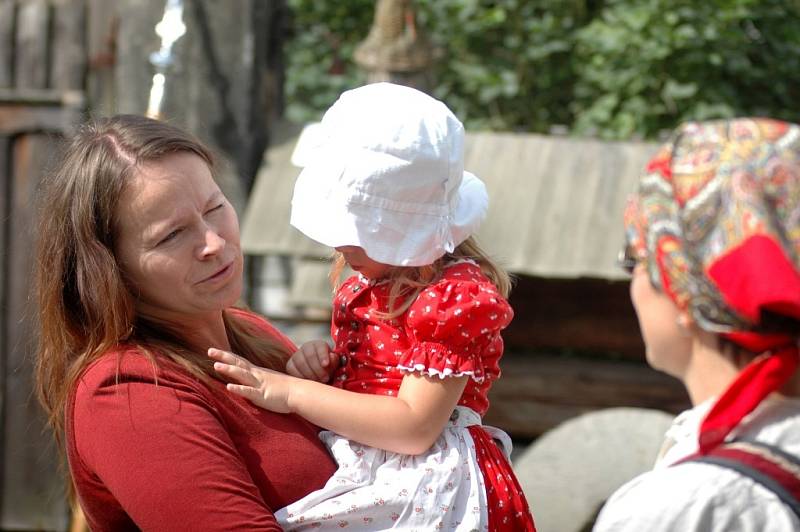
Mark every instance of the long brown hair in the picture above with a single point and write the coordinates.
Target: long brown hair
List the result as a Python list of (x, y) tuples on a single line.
[(85, 307), (407, 281)]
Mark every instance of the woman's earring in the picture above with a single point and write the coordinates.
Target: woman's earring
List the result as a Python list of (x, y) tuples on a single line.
[(684, 323)]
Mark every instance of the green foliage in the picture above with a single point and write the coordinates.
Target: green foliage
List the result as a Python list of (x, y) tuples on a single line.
[(505, 63), (319, 53), (613, 68), (645, 65)]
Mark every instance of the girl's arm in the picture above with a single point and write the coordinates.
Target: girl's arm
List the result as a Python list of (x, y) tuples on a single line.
[(408, 423)]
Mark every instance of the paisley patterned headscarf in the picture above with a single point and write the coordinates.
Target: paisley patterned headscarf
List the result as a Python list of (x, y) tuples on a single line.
[(717, 220)]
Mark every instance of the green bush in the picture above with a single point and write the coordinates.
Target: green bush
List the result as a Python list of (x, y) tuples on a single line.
[(505, 63), (319, 53), (614, 68), (643, 66)]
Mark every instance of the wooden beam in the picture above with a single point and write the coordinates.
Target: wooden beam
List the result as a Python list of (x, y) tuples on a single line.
[(537, 392), (16, 119), (67, 98)]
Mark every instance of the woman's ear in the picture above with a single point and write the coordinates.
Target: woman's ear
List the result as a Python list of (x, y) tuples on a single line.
[(685, 323)]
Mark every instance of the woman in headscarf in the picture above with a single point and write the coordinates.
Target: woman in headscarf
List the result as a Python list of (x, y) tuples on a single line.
[(713, 244)]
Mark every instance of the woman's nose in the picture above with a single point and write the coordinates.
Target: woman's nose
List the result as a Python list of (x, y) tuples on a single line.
[(213, 243)]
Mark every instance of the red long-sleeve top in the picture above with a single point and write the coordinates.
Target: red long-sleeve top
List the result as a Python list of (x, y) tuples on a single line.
[(181, 454)]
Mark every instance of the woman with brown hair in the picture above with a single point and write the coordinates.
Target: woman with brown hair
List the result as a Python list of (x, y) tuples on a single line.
[(713, 245), (138, 270)]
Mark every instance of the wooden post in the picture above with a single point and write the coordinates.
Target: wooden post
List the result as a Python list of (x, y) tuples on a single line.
[(396, 49), (6, 42), (68, 70), (33, 493), (102, 29), (31, 65), (5, 189), (225, 69)]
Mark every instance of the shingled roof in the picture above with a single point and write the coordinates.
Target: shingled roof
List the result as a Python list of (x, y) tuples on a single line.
[(555, 201)]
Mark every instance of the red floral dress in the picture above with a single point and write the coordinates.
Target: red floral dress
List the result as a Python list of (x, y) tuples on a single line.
[(451, 329)]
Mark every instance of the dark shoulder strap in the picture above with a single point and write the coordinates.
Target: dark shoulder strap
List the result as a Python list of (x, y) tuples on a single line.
[(773, 468)]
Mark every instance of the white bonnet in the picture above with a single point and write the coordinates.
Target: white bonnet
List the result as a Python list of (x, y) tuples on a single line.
[(387, 174)]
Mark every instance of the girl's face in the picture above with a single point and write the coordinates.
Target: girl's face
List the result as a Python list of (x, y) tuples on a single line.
[(358, 261), (668, 344), (177, 240)]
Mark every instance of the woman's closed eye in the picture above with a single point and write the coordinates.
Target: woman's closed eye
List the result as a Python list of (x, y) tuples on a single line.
[(170, 236), (215, 208)]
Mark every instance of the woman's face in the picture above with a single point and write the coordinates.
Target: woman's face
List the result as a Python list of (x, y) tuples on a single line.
[(358, 260), (668, 344), (177, 240)]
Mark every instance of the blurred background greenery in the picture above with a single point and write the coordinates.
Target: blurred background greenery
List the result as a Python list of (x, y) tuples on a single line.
[(613, 69)]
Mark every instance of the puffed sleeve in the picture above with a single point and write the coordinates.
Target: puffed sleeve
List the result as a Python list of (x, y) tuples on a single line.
[(450, 325)]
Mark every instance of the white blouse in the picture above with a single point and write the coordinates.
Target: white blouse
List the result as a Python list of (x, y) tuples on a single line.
[(705, 497)]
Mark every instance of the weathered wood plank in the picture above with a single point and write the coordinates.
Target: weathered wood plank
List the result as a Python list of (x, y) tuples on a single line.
[(5, 187), (66, 98), (6, 42), (588, 315), (31, 59), (69, 45), (135, 40), (32, 494), (537, 392), (103, 24), (20, 119)]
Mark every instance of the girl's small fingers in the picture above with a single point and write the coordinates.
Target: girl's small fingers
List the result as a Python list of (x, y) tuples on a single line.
[(222, 356), (322, 355), (315, 370), (334, 359), (291, 369), (301, 365), (227, 357), (235, 373), (248, 392)]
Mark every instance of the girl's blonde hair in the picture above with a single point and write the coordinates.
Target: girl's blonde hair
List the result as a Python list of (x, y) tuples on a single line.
[(408, 281), (85, 307)]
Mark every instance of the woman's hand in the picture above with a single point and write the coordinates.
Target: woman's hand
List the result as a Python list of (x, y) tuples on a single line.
[(313, 361), (263, 387)]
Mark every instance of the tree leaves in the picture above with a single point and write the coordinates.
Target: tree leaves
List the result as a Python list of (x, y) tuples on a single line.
[(613, 68)]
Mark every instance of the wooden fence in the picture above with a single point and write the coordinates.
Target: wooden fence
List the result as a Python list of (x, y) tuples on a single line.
[(42, 73)]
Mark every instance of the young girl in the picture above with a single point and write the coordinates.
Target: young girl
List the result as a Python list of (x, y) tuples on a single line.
[(416, 333)]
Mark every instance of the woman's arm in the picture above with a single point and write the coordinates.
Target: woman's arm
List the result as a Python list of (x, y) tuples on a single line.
[(408, 423)]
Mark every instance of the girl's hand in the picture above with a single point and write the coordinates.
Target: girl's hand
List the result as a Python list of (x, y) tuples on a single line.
[(313, 361), (263, 387)]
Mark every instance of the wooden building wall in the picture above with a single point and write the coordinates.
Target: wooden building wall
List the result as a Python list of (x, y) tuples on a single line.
[(574, 346), (42, 72)]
